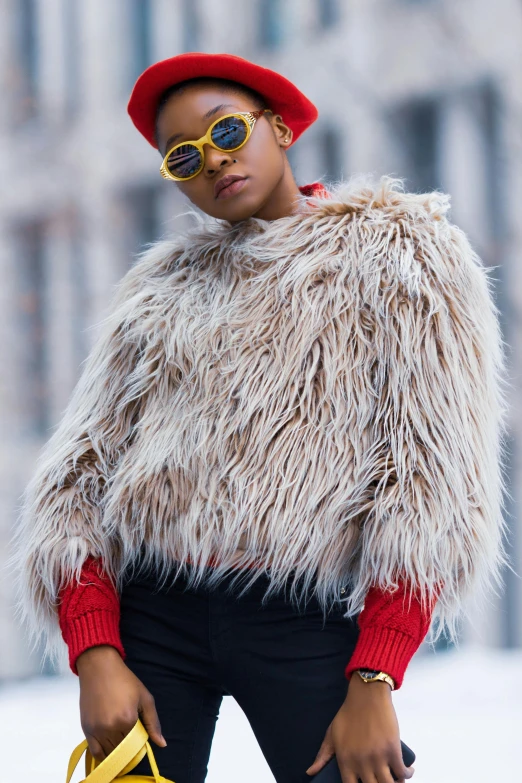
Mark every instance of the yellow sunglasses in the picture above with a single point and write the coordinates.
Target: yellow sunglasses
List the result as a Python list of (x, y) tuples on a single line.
[(228, 133)]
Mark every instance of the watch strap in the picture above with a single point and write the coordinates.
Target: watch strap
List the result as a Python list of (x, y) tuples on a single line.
[(376, 677)]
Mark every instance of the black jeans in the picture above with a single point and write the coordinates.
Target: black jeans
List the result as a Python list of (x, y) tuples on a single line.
[(282, 663)]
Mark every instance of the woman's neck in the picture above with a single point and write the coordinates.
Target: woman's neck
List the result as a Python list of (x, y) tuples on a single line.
[(282, 200)]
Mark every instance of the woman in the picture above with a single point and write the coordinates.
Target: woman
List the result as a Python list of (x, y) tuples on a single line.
[(299, 400)]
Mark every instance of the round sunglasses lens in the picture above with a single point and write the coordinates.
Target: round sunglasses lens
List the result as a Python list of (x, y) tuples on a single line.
[(229, 133), (184, 161)]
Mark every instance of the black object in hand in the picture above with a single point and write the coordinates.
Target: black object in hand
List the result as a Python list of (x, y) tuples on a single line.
[(331, 773)]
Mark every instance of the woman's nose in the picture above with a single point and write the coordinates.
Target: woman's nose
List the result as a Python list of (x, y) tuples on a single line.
[(215, 159)]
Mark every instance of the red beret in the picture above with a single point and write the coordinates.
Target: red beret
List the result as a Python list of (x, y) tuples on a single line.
[(282, 95)]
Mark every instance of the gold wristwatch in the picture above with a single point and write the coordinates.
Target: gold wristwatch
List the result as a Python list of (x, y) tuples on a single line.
[(372, 675)]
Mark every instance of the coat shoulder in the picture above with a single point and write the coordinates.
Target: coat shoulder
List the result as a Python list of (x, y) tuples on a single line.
[(405, 237), (384, 200)]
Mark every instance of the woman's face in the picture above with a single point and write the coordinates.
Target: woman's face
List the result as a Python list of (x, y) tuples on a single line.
[(268, 190)]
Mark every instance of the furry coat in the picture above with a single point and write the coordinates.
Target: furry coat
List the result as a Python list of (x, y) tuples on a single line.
[(325, 389)]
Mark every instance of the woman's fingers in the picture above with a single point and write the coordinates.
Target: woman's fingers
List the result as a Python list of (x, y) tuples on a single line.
[(96, 749), (321, 760), (324, 754), (355, 772), (349, 777), (370, 771), (367, 775), (149, 718), (401, 772), (109, 737), (384, 775), (106, 734)]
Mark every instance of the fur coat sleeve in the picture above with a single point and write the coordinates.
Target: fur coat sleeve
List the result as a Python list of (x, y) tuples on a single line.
[(434, 517), (62, 509)]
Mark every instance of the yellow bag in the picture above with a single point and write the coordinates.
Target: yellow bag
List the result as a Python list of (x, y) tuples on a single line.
[(123, 758)]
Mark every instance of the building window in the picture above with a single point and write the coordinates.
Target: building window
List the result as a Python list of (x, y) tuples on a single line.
[(191, 25), (26, 37), (72, 55), (329, 12), (79, 287), (417, 126), (271, 23), (34, 396), (142, 210), (490, 113), (331, 152), (140, 35)]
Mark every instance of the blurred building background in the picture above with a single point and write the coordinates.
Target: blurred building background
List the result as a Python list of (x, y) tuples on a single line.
[(429, 90)]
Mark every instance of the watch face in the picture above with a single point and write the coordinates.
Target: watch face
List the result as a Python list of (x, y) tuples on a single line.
[(369, 672)]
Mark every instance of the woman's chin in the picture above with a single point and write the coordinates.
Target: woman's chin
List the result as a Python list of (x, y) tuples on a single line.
[(239, 211)]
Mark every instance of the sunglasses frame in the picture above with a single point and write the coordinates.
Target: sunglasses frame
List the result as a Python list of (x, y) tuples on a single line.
[(249, 116)]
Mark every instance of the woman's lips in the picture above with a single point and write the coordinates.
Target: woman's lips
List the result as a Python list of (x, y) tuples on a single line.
[(231, 189)]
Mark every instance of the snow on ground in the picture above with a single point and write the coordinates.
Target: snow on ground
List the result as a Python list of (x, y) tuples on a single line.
[(460, 711)]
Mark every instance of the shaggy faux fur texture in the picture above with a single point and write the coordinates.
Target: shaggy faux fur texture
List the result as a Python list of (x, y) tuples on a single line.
[(328, 385)]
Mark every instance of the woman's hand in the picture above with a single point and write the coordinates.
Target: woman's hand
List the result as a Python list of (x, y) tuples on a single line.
[(364, 736), (112, 699)]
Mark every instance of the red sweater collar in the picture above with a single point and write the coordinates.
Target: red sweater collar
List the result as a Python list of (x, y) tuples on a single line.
[(316, 189)]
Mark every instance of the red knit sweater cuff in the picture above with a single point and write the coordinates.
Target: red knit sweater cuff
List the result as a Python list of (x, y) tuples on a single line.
[(90, 630), (384, 649)]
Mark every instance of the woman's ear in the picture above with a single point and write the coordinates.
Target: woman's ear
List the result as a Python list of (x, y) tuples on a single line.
[(283, 132)]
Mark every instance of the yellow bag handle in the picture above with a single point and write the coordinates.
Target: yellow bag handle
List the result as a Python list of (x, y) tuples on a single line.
[(123, 758)]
